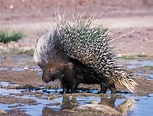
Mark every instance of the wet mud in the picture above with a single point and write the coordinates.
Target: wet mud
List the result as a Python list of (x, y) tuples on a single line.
[(23, 93)]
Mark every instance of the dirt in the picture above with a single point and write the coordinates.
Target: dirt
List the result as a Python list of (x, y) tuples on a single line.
[(20, 74), (131, 27), (132, 18)]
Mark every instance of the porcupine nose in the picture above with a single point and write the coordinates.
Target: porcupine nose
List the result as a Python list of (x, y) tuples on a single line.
[(45, 78)]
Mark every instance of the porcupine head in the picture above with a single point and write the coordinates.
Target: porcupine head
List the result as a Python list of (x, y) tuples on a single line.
[(50, 57)]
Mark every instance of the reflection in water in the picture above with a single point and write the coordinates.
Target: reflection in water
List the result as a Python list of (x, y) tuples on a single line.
[(69, 102), (47, 111), (144, 105), (126, 106), (123, 108), (109, 101)]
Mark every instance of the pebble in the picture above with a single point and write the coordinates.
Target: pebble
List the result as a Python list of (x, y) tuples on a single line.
[(49, 98), (94, 102), (11, 6), (3, 112)]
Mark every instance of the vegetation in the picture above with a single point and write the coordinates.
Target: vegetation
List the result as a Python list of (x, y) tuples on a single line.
[(128, 57), (8, 36), (16, 51)]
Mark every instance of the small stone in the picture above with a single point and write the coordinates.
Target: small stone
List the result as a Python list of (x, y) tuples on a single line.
[(49, 98), (11, 6), (3, 112), (38, 95), (69, 98), (94, 102), (97, 108), (25, 68), (145, 39), (5, 57)]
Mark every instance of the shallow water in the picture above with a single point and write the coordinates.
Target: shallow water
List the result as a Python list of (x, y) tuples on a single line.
[(143, 105), (136, 63), (44, 106), (132, 64), (4, 69)]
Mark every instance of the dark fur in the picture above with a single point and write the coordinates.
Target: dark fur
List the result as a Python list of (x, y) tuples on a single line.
[(72, 73)]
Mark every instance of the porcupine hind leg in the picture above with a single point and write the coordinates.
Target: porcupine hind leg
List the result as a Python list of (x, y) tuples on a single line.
[(103, 87), (74, 87), (112, 88)]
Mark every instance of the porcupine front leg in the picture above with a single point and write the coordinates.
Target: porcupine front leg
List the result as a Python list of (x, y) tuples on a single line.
[(69, 81), (72, 81), (64, 87), (69, 86)]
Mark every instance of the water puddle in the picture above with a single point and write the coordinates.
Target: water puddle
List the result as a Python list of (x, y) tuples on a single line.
[(45, 106), (136, 64), (149, 76), (15, 68), (50, 101), (143, 106), (5, 84), (3, 69)]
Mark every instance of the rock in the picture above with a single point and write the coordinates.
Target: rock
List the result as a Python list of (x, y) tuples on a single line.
[(94, 102), (3, 112), (97, 108)]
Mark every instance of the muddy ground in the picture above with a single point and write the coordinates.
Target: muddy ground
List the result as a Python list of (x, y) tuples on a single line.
[(22, 90), (21, 86)]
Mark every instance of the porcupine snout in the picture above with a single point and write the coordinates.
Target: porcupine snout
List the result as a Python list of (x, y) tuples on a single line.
[(48, 75)]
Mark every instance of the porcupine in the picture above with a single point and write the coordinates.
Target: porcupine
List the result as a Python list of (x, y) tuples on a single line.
[(76, 51)]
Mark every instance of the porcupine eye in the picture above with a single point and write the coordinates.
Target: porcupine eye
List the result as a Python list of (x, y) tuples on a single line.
[(53, 74)]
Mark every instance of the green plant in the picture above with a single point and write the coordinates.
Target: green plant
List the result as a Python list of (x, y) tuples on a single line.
[(16, 51), (128, 57), (142, 55), (7, 36)]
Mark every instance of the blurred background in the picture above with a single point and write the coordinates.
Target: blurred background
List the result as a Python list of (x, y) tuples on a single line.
[(132, 18)]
